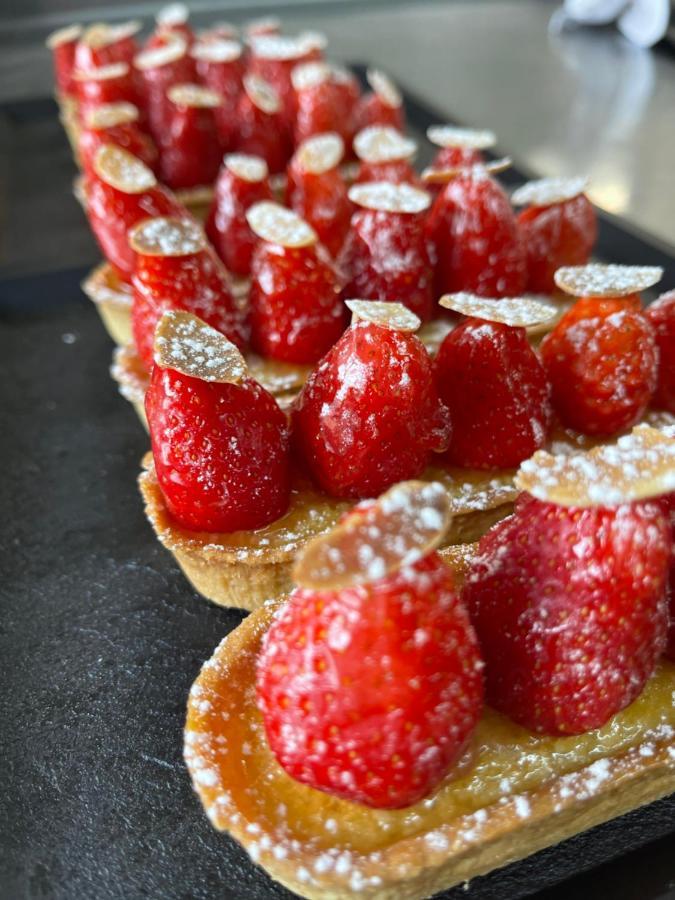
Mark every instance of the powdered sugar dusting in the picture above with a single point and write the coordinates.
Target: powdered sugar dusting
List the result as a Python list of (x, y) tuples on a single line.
[(546, 191), (470, 138), (384, 87), (394, 316), (320, 153), (518, 311), (599, 280), (186, 344), (278, 225), (639, 465), (122, 170), (388, 197), (246, 166), (382, 143), (167, 236)]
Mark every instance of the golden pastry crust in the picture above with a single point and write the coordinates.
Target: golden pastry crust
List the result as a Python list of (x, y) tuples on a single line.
[(197, 199), (113, 299), (516, 793)]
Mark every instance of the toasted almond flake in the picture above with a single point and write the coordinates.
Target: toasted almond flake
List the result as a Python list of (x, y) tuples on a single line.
[(320, 153), (267, 25), (124, 30), (384, 87), (388, 197), (309, 75), (278, 225), (102, 73), (167, 236), (479, 170), (382, 143), (547, 191), (599, 280), (155, 57), (194, 96), (217, 51), (280, 46), (108, 115), (394, 316), (405, 524), (262, 94), (520, 312), (246, 166), (122, 170), (172, 15), (638, 466), (101, 35), (185, 343), (469, 138), (66, 35)]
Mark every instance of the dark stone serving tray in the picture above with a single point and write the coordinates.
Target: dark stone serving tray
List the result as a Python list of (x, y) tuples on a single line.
[(101, 636)]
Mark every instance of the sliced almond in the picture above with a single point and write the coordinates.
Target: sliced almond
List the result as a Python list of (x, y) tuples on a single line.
[(124, 30), (599, 280), (640, 465), (547, 191), (194, 96), (174, 49), (382, 143), (320, 153), (172, 15), (67, 35), (479, 170), (262, 94), (108, 115), (246, 166), (167, 236), (278, 46), (467, 138), (394, 316), (384, 87), (103, 73), (278, 225), (309, 75), (217, 51), (185, 343), (521, 312), (387, 197), (405, 524), (101, 35), (123, 171), (267, 25)]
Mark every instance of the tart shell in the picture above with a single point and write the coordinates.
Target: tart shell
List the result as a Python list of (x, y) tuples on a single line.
[(113, 301)]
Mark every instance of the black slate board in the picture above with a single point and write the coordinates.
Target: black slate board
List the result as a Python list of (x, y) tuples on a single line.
[(101, 637)]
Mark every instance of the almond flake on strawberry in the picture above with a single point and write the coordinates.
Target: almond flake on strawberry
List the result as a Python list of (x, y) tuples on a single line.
[(317, 107), (220, 68), (316, 190), (115, 123), (160, 69), (190, 151), (176, 269), (602, 356), (260, 130), (382, 105), (493, 384), (243, 181), (385, 155), (459, 147), (385, 255), (369, 414), (475, 239), (219, 440), (375, 607), (172, 21), (661, 314), (297, 313), (114, 83), (62, 44), (102, 45), (121, 191), (559, 226), (568, 594)]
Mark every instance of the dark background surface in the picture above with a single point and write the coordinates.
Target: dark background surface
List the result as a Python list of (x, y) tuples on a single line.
[(100, 635)]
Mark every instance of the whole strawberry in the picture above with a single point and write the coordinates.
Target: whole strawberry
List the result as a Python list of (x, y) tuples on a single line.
[(371, 692), (662, 316), (570, 610), (601, 360)]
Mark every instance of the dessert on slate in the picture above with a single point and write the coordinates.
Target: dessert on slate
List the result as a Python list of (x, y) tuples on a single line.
[(342, 736)]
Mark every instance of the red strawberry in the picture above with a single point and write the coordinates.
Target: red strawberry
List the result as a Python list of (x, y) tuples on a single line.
[(556, 235), (475, 239), (317, 103), (220, 67), (62, 43), (109, 84), (497, 393), (190, 153), (103, 45), (115, 123), (601, 360), (570, 611), (456, 158), (160, 69), (176, 269), (382, 105), (369, 414), (668, 503), (120, 192), (662, 316), (221, 451), (317, 191), (243, 181), (260, 129), (408, 639), (397, 171), (385, 255), (347, 91), (172, 22), (296, 310)]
